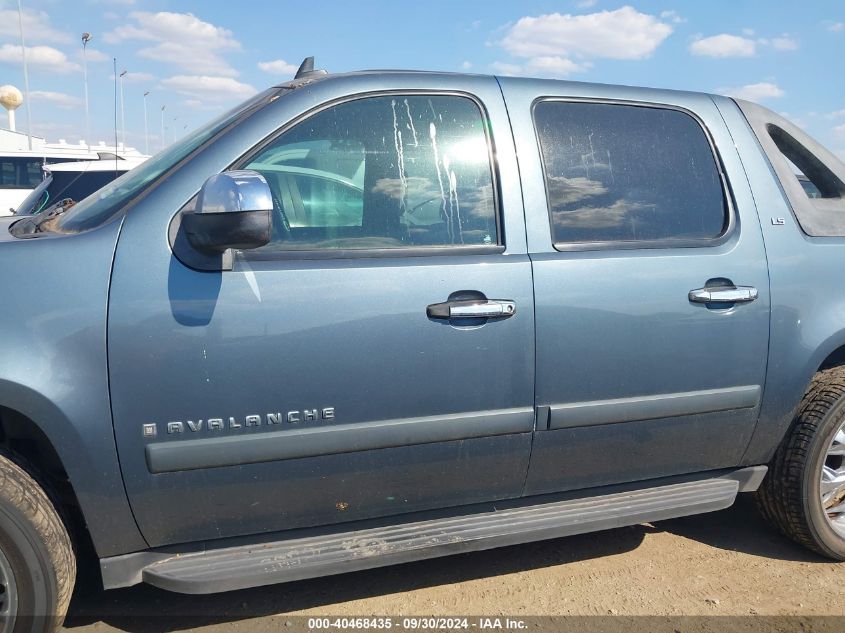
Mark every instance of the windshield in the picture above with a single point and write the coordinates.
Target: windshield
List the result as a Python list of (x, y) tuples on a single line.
[(111, 200), (36, 199), (65, 185)]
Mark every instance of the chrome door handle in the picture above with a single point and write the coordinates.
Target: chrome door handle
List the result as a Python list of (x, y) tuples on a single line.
[(736, 294), (472, 309)]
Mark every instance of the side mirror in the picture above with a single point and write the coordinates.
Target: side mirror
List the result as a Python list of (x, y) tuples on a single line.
[(234, 210)]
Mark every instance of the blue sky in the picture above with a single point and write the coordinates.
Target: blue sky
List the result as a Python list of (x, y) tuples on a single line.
[(198, 58)]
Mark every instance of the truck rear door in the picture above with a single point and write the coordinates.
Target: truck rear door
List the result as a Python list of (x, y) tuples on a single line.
[(651, 284)]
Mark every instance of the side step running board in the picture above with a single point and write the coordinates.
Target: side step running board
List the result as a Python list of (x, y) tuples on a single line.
[(298, 558)]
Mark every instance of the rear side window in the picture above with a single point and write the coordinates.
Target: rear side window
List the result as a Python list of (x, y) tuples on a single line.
[(20, 173), (628, 174)]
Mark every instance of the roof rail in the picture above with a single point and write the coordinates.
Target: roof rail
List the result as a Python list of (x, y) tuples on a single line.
[(306, 69)]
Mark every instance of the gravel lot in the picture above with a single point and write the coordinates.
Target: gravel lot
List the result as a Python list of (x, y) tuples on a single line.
[(723, 564)]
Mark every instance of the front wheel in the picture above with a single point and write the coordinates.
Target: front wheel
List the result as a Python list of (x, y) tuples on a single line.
[(37, 565), (803, 494)]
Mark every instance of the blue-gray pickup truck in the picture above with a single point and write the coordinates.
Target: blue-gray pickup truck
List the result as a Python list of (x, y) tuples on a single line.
[(376, 317)]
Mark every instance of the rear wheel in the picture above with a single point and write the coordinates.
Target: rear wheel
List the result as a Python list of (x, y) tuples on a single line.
[(37, 565), (804, 492)]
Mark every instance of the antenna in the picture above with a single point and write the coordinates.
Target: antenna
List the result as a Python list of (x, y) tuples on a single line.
[(114, 74), (306, 69), (307, 66)]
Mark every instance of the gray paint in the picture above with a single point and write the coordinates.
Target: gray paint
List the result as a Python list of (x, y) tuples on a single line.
[(654, 407), (53, 366), (256, 448), (228, 563), (611, 325), (287, 334), (618, 324), (808, 304), (589, 456)]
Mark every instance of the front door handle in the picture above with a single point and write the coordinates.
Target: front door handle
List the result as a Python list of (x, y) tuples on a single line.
[(728, 294), (472, 309)]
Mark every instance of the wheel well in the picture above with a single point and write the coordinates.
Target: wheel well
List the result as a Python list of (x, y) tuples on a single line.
[(835, 359), (22, 437)]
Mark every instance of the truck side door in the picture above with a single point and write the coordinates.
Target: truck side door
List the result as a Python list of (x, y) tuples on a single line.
[(651, 284), (322, 379)]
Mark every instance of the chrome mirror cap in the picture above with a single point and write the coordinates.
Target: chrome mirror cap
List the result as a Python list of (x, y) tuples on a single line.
[(234, 191)]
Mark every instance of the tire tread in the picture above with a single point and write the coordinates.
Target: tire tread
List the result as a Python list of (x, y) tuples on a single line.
[(780, 498), (20, 489)]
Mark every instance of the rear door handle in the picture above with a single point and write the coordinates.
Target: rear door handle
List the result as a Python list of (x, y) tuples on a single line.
[(472, 309), (735, 294)]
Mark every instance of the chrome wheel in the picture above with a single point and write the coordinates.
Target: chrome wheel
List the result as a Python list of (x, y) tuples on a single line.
[(832, 487), (8, 595)]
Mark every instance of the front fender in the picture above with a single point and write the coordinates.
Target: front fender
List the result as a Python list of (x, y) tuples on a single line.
[(54, 370)]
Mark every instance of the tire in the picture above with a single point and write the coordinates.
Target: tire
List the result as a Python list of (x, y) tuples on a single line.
[(37, 564), (790, 496)]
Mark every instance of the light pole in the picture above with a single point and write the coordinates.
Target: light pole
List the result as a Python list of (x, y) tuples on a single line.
[(162, 125), (25, 80), (86, 37), (173, 129), (122, 117), (146, 129)]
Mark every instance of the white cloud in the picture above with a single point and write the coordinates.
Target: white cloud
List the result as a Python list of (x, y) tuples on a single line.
[(60, 99), (784, 43), (541, 66), (586, 4), (466, 65), (754, 92), (36, 27), (837, 114), (93, 55), (206, 87), (181, 39), (672, 16), (724, 45), (621, 34), (39, 57), (205, 106), (278, 67), (553, 66), (839, 130), (836, 27), (727, 45)]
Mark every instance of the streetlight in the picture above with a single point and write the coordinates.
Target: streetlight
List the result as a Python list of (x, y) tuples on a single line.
[(86, 37), (146, 131), (122, 117), (25, 80), (162, 125)]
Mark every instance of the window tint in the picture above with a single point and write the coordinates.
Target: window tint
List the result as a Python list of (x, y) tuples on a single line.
[(382, 172), (20, 173), (619, 173)]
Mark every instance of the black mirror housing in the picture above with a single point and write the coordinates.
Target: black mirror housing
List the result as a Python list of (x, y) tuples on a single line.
[(215, 233)]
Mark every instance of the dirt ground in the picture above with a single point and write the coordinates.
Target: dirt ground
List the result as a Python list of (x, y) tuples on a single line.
[(727, 563)]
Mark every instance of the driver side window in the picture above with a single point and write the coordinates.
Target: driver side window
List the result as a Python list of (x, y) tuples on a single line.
[(382, 172)]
